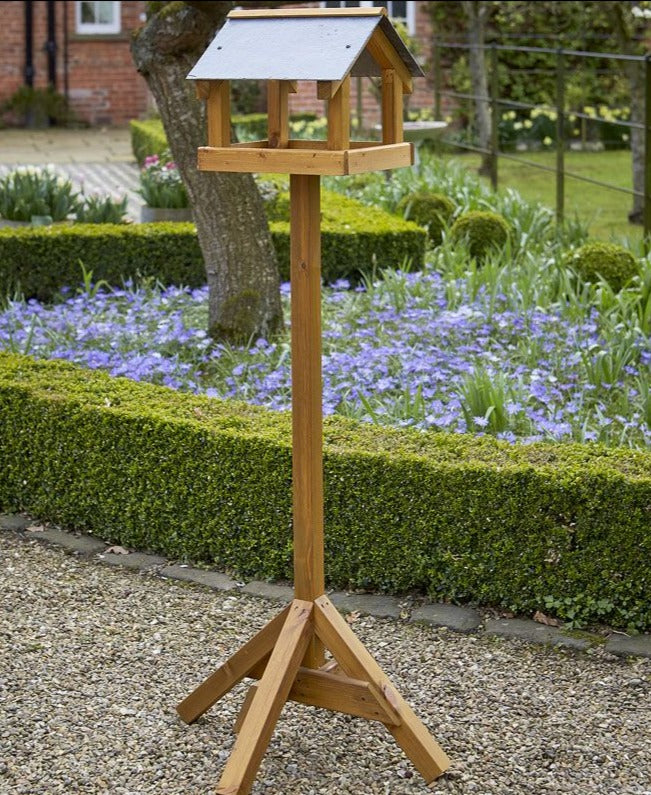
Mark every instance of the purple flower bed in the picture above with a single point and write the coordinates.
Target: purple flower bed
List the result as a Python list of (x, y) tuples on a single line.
[(398, 352)]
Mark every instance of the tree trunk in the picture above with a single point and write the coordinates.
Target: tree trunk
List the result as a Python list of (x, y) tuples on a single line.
[(476, 14), (241, 269), (635, 70), (636, 80)]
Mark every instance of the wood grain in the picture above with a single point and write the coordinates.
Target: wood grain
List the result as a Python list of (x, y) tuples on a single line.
[(386, 56), (278, 113), (339, 117), (392, 108), (270, 697), (218, 112), (265, 13), (426, 754), (232, 671)]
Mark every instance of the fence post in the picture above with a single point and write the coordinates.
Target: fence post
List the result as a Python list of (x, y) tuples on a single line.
[(437, 80), (647, 151), (495, 89), (560, 136)]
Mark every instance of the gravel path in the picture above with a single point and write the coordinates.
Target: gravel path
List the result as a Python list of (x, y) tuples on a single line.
[(93, 660)]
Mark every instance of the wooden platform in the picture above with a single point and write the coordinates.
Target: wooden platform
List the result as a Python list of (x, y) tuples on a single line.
[(305, 157)]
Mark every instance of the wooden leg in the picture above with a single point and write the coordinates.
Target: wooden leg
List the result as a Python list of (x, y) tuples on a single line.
[(232, 671), (426, 754), (335, 692), (270, 696), (244, 709)]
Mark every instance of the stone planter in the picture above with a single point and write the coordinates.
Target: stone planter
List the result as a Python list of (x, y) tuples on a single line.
[(150, 215)]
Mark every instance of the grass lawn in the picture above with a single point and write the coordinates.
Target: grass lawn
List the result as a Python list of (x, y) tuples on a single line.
[(605, 211)]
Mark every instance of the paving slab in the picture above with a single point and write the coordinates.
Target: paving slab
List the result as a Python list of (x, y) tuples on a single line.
[(79, 544), (378, 605), (534, 632), (269, 590), (211, 579), (134, 560), (14, 521), (629, 646), (460, 619)]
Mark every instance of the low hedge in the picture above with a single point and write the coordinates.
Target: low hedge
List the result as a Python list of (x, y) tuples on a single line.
[(147, 138), (38, 261), (459, 517), (355, 238)]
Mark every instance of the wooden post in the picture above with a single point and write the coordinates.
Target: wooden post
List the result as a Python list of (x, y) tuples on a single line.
[(392, 129), (339, 117), (278, 113), (218, 111), (307, 424)]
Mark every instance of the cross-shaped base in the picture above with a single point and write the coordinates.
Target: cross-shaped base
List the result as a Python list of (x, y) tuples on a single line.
[(356, 685)]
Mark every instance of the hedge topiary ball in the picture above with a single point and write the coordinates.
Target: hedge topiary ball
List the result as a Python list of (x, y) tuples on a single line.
[(481, 231), (608, 261), (431, 210)]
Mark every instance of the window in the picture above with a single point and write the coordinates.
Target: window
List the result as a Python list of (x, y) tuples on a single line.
[(97, 16), (398, 10)]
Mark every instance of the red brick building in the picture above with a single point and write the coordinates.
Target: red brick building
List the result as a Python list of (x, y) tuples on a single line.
[(82, 48)]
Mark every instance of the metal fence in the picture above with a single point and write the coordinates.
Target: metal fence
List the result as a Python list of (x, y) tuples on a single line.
[(497, 104)]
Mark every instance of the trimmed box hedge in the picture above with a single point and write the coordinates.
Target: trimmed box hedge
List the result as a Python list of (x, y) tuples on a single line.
[(38, 261), (459, 517)]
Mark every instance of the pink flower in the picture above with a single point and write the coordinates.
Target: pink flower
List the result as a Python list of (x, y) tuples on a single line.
[(151, 160)]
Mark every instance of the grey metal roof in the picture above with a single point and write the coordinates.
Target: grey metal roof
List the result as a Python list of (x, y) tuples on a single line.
[(297, 48)]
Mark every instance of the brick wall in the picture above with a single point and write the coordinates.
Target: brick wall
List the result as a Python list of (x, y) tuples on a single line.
[(104, 87), (422, 96)]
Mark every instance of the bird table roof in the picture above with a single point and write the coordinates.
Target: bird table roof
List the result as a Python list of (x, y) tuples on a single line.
[(299, 44)]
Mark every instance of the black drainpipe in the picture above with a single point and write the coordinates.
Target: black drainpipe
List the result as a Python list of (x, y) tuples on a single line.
[(51, 45), (29, 48), (66, 77)]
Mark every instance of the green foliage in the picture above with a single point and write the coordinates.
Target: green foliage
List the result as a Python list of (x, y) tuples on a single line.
[(431, 210), (481, 231), (38, 107), (608, 261), (102, 210), (39, 261), (531, 76), (28, 191), (458, 517), (147, 138), (161, 185)]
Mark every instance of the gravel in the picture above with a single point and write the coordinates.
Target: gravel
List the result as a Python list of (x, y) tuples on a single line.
[(93, 660)]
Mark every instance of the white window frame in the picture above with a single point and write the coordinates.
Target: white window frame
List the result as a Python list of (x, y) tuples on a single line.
[(411, 12), (98, 28)]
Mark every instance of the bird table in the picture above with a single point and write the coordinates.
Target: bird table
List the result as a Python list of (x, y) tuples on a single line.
[(288, 656)]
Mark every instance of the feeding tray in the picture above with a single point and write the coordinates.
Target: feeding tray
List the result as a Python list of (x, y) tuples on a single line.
[(305, 157)]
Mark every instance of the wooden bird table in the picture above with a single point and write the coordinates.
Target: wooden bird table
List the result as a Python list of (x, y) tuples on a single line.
[(287, 656)]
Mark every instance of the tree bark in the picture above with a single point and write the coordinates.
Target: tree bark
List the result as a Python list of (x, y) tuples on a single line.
[(635, 72), (241, 269), (476, 15)]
